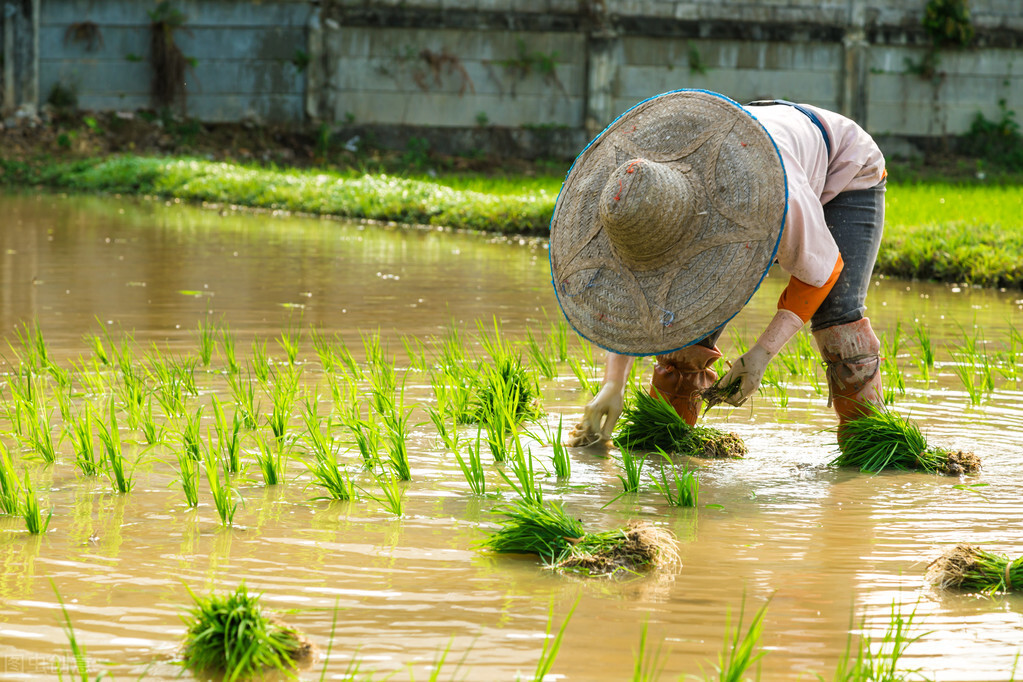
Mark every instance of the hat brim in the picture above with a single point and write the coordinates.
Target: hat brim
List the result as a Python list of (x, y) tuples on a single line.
[(732, 246)]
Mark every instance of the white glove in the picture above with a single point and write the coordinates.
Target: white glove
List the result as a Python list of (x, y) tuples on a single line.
[(743, 379), (600, 416)]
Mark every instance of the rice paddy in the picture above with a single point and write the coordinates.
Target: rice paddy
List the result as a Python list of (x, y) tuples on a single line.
[(352, 475)]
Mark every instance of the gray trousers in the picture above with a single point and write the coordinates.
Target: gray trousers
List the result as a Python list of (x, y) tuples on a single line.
[(856, 221)]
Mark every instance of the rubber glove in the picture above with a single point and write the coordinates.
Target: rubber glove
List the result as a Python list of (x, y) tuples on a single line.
[(601, 414), (748, 370)]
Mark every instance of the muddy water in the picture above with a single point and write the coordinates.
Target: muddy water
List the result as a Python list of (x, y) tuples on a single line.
[(831, 550)]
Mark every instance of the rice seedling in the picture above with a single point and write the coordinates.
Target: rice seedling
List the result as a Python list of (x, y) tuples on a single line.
[(64, 404), (152, 432), (540, 357), (77, 650), (133, 391), (231, 635), (396, 420), (589, 380), (30, 509), (392, 493), (682, 490), (10, 486), (227, 343), (966, 372), (188, 477), (192, 441), (290, 341), (321, 344), (92, 377), (894, 381), (559, 340), (40, 438), (448, 432), (243, 391), (632, 468), (880, 662), (282, 391), (36, 357), (972, 569), (648, 423), (551, 646), (547, 530), (99, 352), (454, 396), (325, 469), (646, 668), (272, 460), (561, 460), (83, 443), (923, 340), (882, 439), (506, 388), (366, 433), (207, 333), (740, 651), (260, 361), (472, 465), (415, 349), (170, 392), (225, 497), (228, 437), (344, 356), (521, 464), (109, 436)]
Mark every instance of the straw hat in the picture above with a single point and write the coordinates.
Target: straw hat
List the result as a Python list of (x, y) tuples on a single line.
[(667, 223)]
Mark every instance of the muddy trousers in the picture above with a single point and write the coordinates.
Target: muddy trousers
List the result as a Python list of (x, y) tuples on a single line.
[(846, 341)]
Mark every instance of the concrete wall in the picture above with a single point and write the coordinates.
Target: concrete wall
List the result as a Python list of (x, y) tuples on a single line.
[(243, 55)]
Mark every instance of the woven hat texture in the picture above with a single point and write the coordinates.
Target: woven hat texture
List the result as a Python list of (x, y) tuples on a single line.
[(667, 223)]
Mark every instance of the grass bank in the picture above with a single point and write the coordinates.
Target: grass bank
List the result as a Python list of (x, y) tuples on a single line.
[(952, 232)]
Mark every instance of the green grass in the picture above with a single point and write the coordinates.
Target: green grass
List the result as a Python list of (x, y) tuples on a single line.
[(229, 634)]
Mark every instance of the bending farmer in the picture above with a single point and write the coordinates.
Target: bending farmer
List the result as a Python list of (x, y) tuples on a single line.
[(670, 219)]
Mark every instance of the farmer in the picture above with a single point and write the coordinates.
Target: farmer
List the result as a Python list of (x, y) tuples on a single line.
[(670, 219)]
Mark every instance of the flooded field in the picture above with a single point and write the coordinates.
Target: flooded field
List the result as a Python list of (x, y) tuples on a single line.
[(388, 586)]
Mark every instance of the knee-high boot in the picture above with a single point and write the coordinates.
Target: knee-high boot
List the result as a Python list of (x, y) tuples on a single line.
[(851, 354), (681, 377)]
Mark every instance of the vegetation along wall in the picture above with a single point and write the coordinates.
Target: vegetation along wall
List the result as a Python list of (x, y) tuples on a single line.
[(540, 76)]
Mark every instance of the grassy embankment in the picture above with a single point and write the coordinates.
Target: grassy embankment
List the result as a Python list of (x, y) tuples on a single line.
[(934, 230)]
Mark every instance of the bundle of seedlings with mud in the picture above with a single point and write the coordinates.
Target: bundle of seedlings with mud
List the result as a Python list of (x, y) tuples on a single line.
[(534, 527), (648, 423), (229, 635), (881, 439), (973, 569)]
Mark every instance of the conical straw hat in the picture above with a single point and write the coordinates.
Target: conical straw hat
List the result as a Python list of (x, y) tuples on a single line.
[(667, 223)]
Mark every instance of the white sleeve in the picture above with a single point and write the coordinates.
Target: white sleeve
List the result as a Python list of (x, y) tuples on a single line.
[(807, 250)]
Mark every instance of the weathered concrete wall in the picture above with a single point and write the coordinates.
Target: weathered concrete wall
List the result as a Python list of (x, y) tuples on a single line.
[(243, 56)]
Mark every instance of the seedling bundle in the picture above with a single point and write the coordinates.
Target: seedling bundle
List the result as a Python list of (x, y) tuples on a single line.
[(881, 439), (535, 527), (649, 423), (973, 569)]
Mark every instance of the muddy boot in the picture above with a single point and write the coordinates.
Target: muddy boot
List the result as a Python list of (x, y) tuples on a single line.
[(681, 376), (851, 354)]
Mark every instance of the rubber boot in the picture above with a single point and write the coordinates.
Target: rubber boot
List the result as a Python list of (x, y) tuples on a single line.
[(851, 355), (681, 377)]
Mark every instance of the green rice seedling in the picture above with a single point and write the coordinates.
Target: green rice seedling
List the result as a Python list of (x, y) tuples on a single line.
[(882, 439), (561, 460), (397, 429), (682, 490), (344, 356), (632, 468), (880, 661), (207, 340), (260, 361), (228, 437), (893, 377), (64, 404), (225, 497), (343, 391), (132, 391), (472, 465), (648, 423), (243, 391), (454, 396), (30, 510), (152, 432), (521, 465), (290, 341), (392, 492), (36, 356), (81, 431), (923, 340), (810, 359), (545, 529), (282, 389), (325, 469), (272, 460), (559, 340), (110, 438), (551, 646), (10, 486), (191, 435), (41, 439), (589, 380), (740, 651), (646, 668), (966, 372), (231, 636), (227, 343), (540, 356), (448, 432), (321, 344), (188, 477), (505, 384), (99, 352), (972, 569), (77, 650), (415, 349), (91, 376)]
